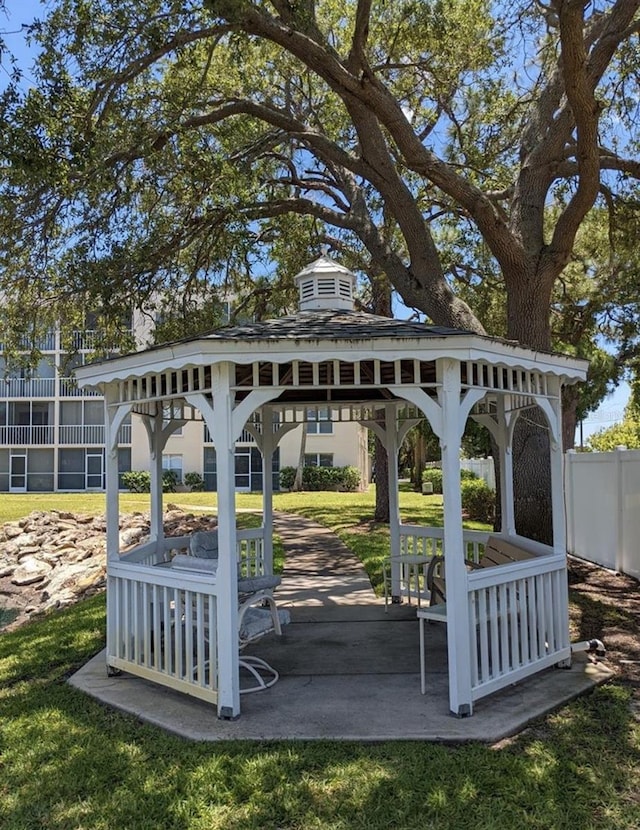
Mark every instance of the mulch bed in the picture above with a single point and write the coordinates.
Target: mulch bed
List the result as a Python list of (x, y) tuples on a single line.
[(606, 605)]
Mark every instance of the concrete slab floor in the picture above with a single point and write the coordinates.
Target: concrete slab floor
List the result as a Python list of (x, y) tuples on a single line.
[(349, 670)]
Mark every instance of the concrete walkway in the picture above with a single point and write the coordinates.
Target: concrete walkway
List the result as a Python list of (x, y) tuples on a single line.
[(348, 669)]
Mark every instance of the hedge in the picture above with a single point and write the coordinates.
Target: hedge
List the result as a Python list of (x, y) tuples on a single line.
[(322, 478), (478, 500)]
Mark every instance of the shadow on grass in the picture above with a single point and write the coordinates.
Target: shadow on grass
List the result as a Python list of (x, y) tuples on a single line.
[(69, 762)]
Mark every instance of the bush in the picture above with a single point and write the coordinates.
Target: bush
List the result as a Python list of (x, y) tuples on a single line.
[(434, 475), (468, 475), (194, 482), (169, 481), (478, 500), (287, 477), (350, 479), (137, 481), (322, 478)]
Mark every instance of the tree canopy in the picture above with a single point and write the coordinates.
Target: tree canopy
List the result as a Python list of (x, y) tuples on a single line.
[(456, 146)]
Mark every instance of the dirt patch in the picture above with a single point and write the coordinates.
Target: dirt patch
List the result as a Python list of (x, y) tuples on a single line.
[(606, 605)]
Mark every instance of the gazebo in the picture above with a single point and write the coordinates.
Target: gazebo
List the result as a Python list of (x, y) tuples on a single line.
[(504, 623)]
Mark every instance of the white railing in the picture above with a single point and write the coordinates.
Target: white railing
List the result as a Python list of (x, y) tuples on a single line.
[(124, 434), (162, 621), (418, 545), (251, 551), (162, 627), (81, 434), (518, 621), (28, 388), (19, 436), (70, 389)]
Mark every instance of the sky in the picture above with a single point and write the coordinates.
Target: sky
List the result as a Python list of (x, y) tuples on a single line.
[(18, 12)]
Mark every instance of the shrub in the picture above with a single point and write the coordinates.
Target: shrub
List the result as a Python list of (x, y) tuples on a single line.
[(169, 481), (478, 500), (137, 481), (194, 482), (322, 478), (468, 475), (287, 477), (350, 479), (434, 475)]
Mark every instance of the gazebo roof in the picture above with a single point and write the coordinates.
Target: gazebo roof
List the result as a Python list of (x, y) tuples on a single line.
[(328, 328), (331, 324), (330, 334)]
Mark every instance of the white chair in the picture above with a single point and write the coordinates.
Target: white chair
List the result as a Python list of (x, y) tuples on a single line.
[(258, 613)]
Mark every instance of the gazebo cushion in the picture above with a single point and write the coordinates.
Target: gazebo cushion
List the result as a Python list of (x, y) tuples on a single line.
[(258, 621), (204, 544), (194, 563)]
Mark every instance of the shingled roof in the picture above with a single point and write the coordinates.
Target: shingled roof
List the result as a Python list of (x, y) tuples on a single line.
[(331, 324)]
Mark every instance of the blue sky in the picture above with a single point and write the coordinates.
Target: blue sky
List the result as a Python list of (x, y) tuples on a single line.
[(20, 12)]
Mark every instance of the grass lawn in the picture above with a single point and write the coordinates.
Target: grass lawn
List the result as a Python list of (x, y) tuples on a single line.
[(68, 762)]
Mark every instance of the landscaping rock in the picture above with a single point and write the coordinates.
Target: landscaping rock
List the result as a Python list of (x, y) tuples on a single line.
[(50, 560)]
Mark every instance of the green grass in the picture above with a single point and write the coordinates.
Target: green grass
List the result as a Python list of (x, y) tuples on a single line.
[(68, 762)]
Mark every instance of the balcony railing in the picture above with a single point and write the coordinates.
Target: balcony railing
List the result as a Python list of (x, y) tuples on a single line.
[(69, 389), (88, 339), (46, 343), (79, 434), (24, 388), (19, 436), (245, 437)]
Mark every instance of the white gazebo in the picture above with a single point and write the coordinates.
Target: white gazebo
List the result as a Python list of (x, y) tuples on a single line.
[(387, 374)]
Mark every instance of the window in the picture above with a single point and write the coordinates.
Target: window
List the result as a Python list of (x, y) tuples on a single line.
[(174, 463), (318, 459), (318, 422)]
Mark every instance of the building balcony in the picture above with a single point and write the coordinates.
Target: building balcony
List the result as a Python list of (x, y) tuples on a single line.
[(88, 434), (245, 437), (81, 434), (88, 339), (19, 436), (45, 343), (24, 388), (69, 389)]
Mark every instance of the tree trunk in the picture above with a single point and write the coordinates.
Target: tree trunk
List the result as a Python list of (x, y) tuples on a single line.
[(528, 304), (532, 477), (381, 461), (569, 416), (419, 458), (297, 482)]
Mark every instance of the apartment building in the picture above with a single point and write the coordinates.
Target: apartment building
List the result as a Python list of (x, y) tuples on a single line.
[(52, 433)]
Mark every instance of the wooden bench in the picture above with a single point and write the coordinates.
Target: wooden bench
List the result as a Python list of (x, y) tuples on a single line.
[(497, 551)]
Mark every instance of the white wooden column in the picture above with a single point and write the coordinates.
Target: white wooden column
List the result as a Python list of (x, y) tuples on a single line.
[(113, 418), (388, 436), (221, 429), (557, 469), (391, 446), (267, 441), (267, 449), (157, 441), (504, 439), (458, 634)]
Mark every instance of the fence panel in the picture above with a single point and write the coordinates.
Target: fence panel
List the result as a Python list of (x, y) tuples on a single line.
[(603, 501)]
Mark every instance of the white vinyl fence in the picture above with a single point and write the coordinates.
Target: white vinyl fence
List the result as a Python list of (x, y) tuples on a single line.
[(602, 491)]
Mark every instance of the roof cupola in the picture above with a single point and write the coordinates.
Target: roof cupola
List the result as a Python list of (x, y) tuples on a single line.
[(324, 284)]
